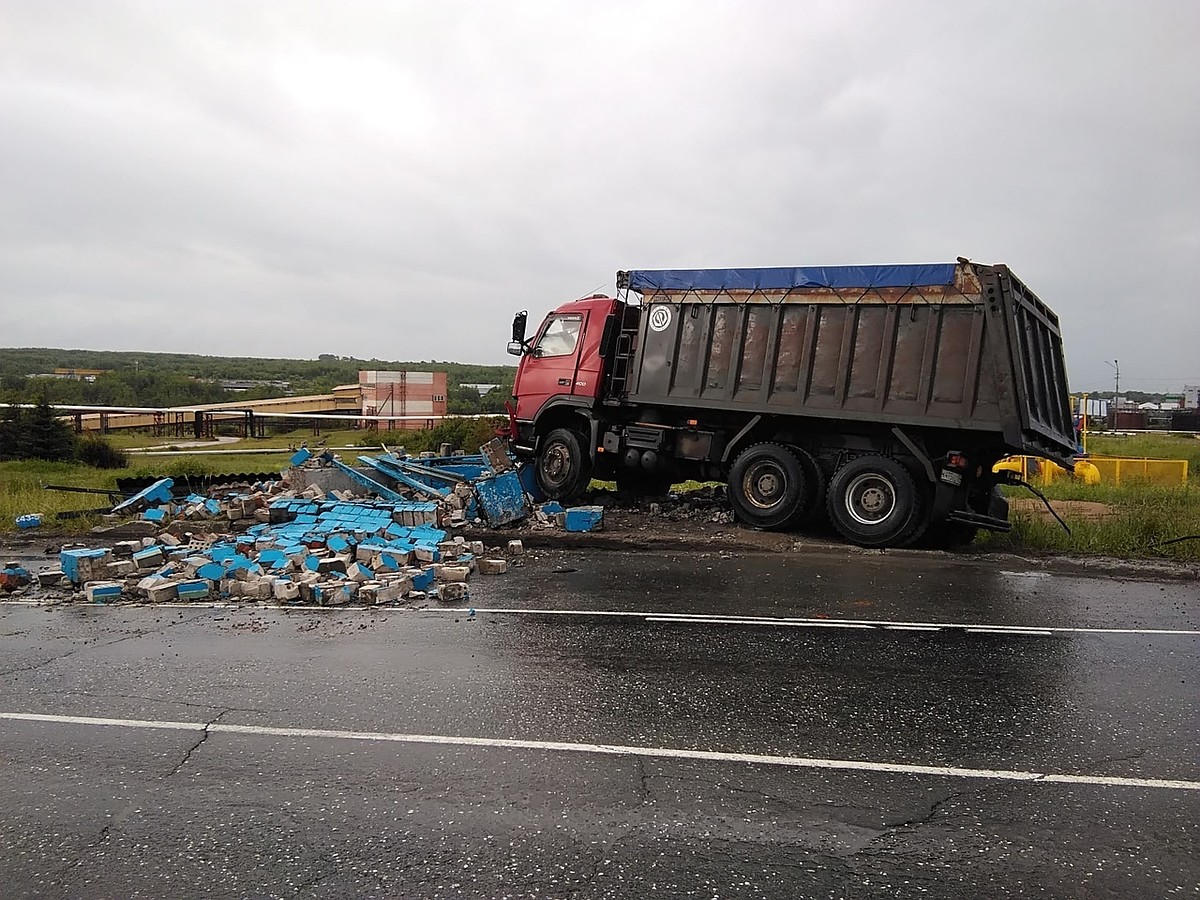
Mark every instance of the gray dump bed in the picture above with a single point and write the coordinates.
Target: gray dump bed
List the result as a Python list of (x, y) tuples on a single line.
[(956, 345)]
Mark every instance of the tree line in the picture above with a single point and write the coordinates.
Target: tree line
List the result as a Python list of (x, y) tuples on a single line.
[(179, 379), (38, 433)]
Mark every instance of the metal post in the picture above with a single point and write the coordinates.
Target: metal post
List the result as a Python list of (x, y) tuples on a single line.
[(1083, 425)]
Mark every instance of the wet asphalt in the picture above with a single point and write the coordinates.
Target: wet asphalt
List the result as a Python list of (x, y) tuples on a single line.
[(773, 656)]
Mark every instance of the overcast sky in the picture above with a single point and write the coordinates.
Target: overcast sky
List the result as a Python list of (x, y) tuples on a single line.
[(394, 179)]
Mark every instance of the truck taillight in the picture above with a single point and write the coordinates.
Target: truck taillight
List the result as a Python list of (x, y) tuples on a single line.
[(956, 461)]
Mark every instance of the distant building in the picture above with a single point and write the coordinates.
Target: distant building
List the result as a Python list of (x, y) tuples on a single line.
[(482, 388), (245, 384), (88, 375), (416, 394), (1191, 396)]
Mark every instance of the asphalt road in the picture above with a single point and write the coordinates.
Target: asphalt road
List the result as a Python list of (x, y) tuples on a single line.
[(617, 725)]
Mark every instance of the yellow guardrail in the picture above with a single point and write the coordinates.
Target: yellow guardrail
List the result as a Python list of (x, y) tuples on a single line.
[(1100, 470)]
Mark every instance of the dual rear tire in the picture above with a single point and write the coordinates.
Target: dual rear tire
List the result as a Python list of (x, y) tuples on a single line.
[(775, 486), (875, 502), (872, 501)]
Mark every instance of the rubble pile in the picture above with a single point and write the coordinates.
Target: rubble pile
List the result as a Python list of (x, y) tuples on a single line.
[(704, 504), (13, 577), (352, 552), (383, 536)]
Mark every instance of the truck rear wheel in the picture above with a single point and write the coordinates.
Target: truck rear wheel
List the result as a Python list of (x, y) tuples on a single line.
[(563, 468), (873, 502), (767, 486)]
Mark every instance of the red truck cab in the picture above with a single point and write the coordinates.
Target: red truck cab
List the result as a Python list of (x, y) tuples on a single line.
[(563, 364)]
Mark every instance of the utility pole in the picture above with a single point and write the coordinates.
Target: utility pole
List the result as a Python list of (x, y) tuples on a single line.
[(1116, 364)]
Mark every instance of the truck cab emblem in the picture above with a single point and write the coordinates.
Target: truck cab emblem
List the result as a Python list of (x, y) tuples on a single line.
[(660, 318)]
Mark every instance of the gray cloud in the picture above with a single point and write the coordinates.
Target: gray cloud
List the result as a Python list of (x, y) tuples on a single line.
[(393, 180)]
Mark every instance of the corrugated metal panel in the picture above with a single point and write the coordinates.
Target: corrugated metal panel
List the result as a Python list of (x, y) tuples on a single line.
[(982, 353), (919, 361)]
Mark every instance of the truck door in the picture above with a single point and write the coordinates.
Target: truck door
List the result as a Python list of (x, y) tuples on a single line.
[(550, 367)]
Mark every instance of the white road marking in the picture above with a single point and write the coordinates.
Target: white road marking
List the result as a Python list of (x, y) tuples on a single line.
[(730, 620), (1034, 632), (659, 617), (799, 762), (783, 621)]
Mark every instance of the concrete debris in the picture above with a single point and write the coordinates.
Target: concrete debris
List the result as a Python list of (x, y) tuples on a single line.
[(323, 553), (14, 576), (706, 504), (574, 519), (323, 534)]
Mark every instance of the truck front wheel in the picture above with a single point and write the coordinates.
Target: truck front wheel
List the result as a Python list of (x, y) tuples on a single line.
[(563, 468), (873, 502), (767, 486)]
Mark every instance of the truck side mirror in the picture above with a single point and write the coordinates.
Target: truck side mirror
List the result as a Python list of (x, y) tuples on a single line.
[(518, 332), (516, 348)]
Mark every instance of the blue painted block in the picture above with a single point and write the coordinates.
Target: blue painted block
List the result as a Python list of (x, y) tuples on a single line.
[(221, 552), (212, 571), (428, 534), (337, 543), (104, 592), (149, 557), (528, 476), (157, 493), (300, 457), (197, 589), (238, 562), (502, 498), (584, 518), (213, 507), (423, 580), (390, 560), (157, 514)]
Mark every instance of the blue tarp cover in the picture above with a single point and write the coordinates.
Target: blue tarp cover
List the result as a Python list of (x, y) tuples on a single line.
[(784, 278)]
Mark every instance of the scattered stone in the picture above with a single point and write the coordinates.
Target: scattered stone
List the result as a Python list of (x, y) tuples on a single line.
[(492, 566)]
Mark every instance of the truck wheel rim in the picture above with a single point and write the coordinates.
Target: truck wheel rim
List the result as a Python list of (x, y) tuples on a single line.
[(870, 499), (764, 485), (556, 464)]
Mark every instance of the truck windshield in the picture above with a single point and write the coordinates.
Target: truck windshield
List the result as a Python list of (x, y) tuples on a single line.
[(560, 336)]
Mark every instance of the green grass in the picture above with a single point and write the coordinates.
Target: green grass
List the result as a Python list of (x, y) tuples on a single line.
[(1149, 446), (21, 482), (1142, 519)]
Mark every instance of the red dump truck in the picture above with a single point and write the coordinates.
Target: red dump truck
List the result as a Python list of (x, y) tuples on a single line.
[(878, 396)]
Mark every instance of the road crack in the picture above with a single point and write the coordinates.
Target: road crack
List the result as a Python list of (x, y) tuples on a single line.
[(643, 779), (199, 743), (926, 817)]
